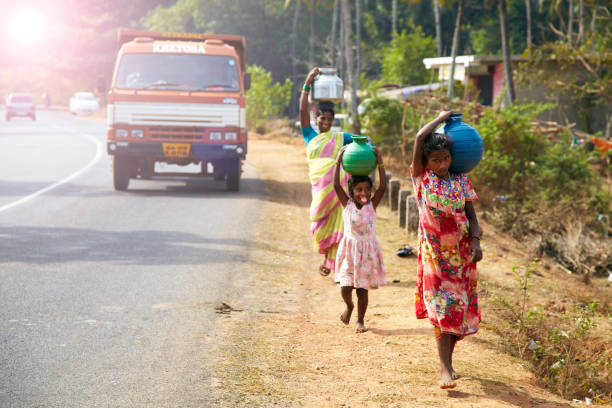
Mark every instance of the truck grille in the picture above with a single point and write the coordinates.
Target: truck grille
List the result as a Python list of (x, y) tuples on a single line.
[(177, 133)]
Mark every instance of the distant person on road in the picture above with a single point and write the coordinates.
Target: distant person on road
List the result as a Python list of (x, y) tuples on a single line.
[(46, 99), (449, 248), (359, 264), (322, 149)]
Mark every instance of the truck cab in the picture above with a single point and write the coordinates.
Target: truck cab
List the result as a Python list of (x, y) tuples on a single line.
[(179, 99)]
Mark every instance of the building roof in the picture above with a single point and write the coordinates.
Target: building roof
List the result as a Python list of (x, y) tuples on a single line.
[(468, 60)]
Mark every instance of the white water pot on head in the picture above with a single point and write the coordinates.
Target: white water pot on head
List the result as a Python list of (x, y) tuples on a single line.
[(328, 87)]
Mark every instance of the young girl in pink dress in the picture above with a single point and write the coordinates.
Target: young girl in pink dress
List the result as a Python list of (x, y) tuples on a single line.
[(449, 245), (359, 262)]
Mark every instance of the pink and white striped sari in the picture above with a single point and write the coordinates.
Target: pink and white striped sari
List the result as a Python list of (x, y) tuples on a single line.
[(325, 210)]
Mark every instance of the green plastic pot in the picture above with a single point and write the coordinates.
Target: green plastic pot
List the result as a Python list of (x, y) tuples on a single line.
[(359, 158)]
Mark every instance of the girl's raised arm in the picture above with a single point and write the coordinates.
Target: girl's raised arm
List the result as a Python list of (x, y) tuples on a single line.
[(417, 153), (304, 115), (382, 177), (342, 196)]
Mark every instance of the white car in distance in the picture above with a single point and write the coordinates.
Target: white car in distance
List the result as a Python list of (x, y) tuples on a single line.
[(82, 102)]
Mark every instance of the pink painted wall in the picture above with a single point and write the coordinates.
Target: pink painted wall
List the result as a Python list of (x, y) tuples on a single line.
[(498, 80)]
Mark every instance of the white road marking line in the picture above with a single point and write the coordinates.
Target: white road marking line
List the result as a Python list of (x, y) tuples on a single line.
[(99, 149)]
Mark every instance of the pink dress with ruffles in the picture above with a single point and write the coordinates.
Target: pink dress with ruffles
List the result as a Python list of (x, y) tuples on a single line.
[(359, 262)]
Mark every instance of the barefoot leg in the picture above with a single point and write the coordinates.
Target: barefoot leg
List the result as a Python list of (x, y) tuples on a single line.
[(444, 352), (454, 374), (362, 306), (347, 296)]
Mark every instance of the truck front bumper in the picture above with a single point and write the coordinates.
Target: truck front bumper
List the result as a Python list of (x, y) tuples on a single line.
[(197, 151)]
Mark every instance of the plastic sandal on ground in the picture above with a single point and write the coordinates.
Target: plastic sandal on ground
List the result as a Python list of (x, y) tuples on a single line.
[(404, 252), (323, 270)]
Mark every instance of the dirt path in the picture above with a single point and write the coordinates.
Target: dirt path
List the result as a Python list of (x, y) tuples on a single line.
[(286, 346)]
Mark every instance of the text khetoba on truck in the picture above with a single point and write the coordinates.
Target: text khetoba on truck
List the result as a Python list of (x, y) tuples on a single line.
[(178, 99)]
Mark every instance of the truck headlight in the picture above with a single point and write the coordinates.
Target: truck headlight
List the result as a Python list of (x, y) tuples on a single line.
[(139, 133), (239, 150), (121, 133), (215, 135), (233, 136)]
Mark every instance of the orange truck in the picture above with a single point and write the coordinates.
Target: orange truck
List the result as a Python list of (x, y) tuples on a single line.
[(179, 99)]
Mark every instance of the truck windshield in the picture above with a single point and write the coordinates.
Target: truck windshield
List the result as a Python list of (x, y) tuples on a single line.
[(191, 72), (21, 99)]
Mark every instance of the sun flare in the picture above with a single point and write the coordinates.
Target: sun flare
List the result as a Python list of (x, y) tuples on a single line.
[(26, 26)]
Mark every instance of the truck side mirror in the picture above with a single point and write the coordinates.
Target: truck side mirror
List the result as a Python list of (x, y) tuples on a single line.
[(247, 81)]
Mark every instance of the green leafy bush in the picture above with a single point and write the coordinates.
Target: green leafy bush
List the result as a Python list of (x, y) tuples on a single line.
[(383, 118), (265, 100), (511, 149), (563, 175)]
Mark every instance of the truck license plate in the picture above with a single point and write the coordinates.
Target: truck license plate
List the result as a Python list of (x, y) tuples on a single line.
[(176, 149)]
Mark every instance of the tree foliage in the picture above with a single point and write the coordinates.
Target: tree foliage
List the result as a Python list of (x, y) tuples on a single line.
[(265, 100), (590, 65), (402, 59)]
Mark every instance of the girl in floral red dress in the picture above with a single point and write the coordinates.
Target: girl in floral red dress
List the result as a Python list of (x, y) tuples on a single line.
[(449, 247)]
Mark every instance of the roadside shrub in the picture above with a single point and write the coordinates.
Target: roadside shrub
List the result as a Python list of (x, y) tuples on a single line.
[(382, 118), (265, 100), (562, 349), (541, 189), (511, 149)]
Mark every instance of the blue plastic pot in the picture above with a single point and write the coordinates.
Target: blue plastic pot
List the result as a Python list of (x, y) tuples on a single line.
[(468, 146)]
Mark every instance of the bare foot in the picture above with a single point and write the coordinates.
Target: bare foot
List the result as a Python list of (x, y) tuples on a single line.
[(360, 328), (446, 380), (455, 375), (345, 317)]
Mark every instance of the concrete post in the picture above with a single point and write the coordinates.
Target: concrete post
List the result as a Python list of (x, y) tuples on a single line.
[(412, 215), (385, 197), (403, 196), (394, 187)]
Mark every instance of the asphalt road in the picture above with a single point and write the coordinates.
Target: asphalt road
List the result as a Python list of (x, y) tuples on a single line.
[(107, 299)]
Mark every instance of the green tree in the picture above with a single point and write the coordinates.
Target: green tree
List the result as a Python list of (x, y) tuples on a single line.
[(265, 100), (402, 60), (183, 16)]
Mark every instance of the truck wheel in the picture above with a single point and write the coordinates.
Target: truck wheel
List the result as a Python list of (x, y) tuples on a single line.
[(232, 182), (121, 173), (146, 169), (219, 170)]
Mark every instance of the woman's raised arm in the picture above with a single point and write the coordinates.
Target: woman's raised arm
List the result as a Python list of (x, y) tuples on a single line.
[(304, 114), (342, 196)]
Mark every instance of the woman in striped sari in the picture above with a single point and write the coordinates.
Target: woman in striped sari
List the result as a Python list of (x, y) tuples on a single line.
[(321, 150)]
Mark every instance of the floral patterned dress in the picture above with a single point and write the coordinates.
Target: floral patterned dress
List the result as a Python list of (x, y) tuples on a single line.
[(446, 277), (359, 261)]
